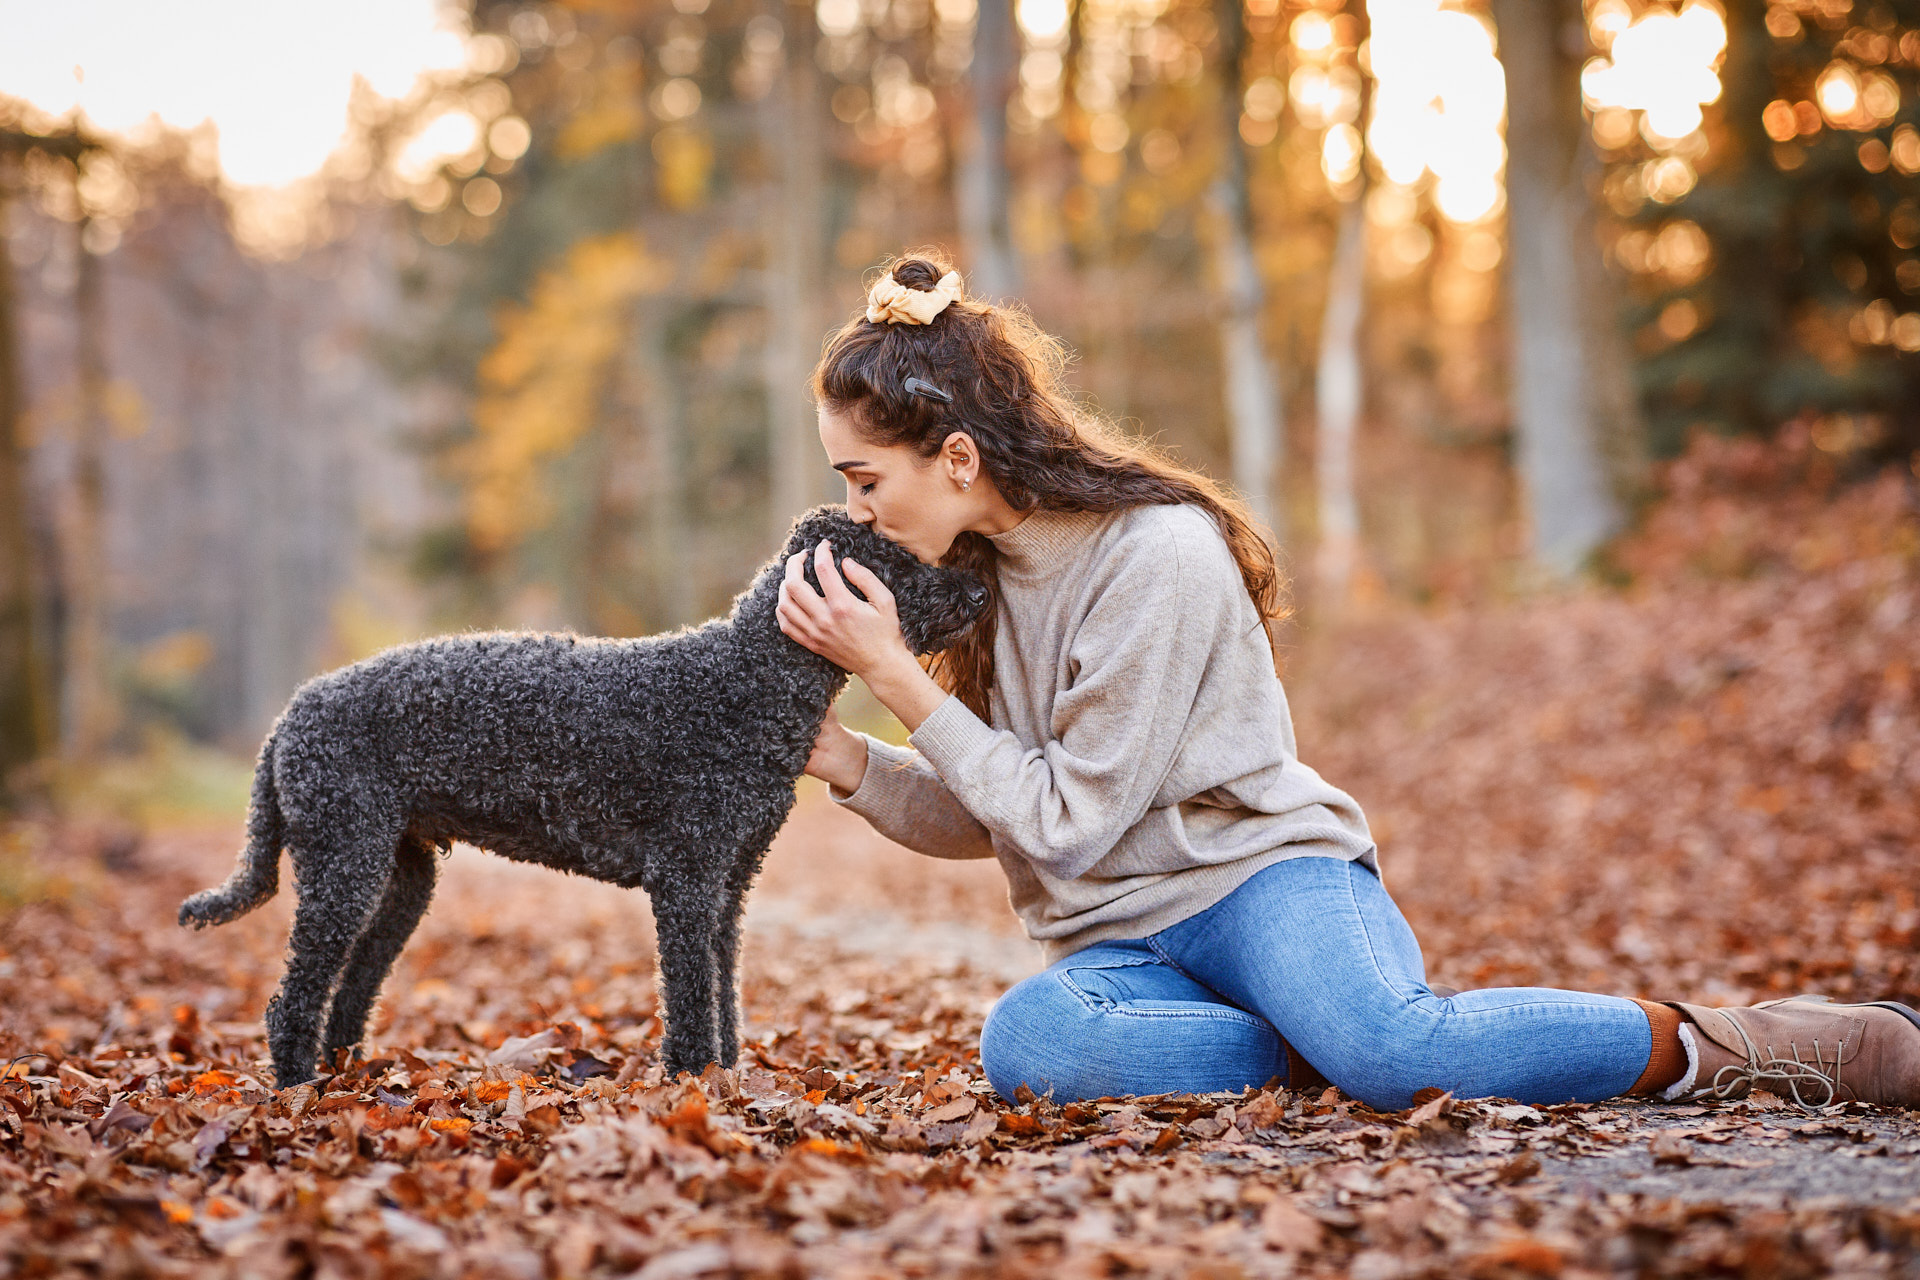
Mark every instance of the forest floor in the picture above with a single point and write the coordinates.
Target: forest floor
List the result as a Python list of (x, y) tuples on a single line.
[(1698, 785)]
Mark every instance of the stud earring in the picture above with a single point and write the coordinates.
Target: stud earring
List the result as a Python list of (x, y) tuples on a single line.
[(966, 484)]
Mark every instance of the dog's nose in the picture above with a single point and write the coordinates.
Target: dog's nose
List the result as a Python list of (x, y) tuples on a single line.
[(976, 596)]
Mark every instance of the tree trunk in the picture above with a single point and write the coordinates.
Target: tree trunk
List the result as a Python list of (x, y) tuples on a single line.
[(981, 182), (793, 221), (1557, 375), (1337, 382), (26, 707), (653, 396), (1254, 412), (87, 715), (1337, 393)]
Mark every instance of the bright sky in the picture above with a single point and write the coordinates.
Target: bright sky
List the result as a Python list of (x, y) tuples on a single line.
[(273, 76)]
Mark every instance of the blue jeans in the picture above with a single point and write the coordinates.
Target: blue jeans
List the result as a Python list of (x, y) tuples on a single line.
[(1314, 950)]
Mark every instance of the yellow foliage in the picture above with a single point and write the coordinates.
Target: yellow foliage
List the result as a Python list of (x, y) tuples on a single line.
[(174, 658), (686, 162), (57, 415), (612, 115), (541, 385), (361, 629)]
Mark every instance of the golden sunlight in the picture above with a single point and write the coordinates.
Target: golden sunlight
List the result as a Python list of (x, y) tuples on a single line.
[(273, 80), (1662, 65), (1439, 100)]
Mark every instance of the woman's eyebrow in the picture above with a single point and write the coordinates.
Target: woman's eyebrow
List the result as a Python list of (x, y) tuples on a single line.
[(848, 466)]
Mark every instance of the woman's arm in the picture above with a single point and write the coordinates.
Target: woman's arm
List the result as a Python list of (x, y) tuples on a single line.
[(900, 795), (839, 756)]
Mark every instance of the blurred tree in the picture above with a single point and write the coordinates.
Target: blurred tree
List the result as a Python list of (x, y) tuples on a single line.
[(25, 701), (1338, 384), (29, 700), (981, 175), (1554, 275), (795, 249), (1255, 416), (1783, 280), (87, 702)]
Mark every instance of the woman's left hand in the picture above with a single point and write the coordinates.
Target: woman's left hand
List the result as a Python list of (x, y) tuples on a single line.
[(862, 636)]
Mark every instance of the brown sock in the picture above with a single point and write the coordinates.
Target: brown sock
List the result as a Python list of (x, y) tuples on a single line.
[(1668, 1061)]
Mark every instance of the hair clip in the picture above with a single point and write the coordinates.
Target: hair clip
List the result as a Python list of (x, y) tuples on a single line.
[(921, 387)]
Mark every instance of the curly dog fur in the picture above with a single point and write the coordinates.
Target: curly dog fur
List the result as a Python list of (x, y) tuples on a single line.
[(667, 762)]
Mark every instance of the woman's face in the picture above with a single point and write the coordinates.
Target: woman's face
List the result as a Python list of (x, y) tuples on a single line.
[(917, 502)]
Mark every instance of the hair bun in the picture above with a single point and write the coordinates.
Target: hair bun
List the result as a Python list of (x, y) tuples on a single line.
[(918, 273)]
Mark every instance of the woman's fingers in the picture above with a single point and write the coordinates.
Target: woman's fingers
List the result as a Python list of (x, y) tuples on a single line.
[(796, 594), (832, 586), (833, 621), (869, 583)]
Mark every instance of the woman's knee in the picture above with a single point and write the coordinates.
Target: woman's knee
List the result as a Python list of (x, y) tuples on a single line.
[(1022, 1043), (1383, 1064), (1086, 1033)]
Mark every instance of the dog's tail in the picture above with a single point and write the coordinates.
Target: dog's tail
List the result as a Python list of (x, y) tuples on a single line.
[(257, 877)]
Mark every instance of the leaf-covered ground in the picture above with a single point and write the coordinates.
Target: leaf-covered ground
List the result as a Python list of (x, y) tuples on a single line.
[(1701, 786)]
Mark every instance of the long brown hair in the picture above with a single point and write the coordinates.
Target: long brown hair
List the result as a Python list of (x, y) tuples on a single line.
[(1037, 446)]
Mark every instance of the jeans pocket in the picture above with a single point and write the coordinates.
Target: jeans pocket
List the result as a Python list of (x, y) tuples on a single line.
[(1098, 981)]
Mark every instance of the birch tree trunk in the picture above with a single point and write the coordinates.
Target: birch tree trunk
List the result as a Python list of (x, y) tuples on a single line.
[(982, 181), (1557, 374), (86, 719), (26, 709), (1337, 392), (1338, 379), (1254, 412), (793, 229)]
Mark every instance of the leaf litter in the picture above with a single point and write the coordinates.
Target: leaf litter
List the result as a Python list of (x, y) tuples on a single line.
[(1699, 786)]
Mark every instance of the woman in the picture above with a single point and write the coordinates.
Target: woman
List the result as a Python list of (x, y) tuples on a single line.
[(1115, 734)]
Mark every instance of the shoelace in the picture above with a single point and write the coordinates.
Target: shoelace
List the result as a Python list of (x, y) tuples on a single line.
[(1792, 1072)]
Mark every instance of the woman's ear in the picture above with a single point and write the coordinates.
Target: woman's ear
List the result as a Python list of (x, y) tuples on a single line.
[(961, 457)]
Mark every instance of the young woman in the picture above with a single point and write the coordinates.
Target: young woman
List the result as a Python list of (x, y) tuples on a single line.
[(1115, 734)]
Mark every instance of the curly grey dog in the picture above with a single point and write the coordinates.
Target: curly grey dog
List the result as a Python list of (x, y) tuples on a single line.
[(667, 762)]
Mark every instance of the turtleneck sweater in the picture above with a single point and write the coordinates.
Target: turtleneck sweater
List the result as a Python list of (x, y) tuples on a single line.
[(1140, 764)]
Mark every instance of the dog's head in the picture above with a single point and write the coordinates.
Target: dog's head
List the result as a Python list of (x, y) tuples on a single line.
[(936, 604)]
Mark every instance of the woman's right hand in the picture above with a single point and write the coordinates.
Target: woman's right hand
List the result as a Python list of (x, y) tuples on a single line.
[(839, 755)]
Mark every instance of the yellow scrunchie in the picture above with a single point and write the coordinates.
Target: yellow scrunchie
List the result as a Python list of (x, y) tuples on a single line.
[(891, 302)]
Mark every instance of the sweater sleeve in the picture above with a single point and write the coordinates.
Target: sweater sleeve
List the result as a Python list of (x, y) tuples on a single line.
[(1136, 661), (905, 801)]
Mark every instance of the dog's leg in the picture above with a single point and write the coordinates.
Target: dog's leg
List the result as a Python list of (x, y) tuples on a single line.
[(726, 981), (726, 956), (340, 886), (409, 890), (745, 866), (685, 915)]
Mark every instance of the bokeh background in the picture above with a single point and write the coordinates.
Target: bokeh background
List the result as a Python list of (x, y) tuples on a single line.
[(321, 329)]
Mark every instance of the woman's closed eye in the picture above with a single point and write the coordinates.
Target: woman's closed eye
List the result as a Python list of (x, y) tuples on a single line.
[(868, 486)]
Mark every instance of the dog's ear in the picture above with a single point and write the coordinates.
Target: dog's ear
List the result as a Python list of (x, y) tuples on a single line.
[(821, 522)]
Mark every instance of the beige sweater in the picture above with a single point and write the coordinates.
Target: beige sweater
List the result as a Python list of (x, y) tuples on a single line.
[(1140, 764)]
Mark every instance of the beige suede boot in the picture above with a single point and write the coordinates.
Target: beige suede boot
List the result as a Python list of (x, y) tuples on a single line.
[(1805, 1048)]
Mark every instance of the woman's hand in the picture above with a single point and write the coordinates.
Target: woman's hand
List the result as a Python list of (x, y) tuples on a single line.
[(839, 756), (862, 636)]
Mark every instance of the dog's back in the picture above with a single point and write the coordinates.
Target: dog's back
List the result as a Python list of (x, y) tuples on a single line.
[(545, 747)]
